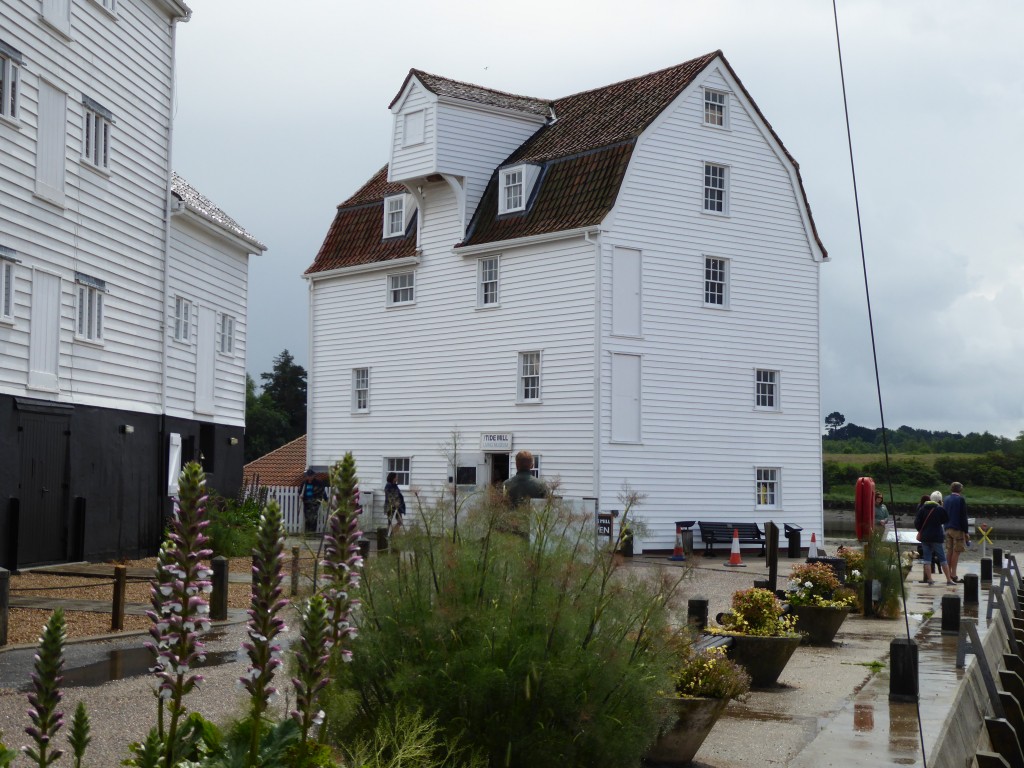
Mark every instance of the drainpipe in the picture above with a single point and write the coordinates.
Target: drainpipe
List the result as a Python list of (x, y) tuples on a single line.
[(596, 242)]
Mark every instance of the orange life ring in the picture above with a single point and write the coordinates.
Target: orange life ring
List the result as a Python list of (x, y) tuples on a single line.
[(864, 507)]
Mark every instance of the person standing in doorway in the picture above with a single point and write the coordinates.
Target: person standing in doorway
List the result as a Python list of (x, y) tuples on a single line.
[(394, 502), (957, 533), (523, 485), (311, 492)]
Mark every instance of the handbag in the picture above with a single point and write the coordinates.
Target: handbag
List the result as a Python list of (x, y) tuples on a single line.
[(925, 522)]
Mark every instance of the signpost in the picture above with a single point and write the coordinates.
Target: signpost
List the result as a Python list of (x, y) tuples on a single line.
[(984, 531)]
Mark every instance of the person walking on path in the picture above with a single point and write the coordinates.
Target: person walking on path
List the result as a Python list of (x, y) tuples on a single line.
[(311, 492), (523, 485), (394, 502), (957, 533), (931, 516)]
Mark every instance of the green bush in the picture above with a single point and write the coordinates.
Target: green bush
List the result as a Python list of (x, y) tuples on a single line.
[(234, 522), (529, 650)]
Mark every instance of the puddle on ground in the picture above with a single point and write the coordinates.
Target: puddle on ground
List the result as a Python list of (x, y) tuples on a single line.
[(127, 662)]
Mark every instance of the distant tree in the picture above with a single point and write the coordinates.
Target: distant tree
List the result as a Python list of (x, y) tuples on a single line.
[(265, 425), (834, 421), (285, 385)]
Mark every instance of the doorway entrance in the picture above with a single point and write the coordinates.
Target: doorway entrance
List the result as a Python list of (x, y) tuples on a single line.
[(44, 503), (499, 467)]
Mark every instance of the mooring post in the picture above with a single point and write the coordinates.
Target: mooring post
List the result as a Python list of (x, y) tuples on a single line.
[(951, 614), (997, 559), (903, 680), (5, 601), (986, 570), (697, 613), (117, 608), (295, 571), (219, 593), (970, 589), (868, 598)]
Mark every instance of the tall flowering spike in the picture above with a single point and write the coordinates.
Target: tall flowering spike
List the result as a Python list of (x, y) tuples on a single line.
[(180, 613), (264, 623), (311, 656), (342, 560), (46, 695), (79, 737)]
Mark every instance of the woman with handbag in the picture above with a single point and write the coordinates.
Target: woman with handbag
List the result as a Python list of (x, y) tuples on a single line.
[(931, 516)]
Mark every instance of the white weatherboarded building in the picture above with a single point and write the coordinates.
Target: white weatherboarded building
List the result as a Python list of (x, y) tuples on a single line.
[(623, 281), (99, 399)]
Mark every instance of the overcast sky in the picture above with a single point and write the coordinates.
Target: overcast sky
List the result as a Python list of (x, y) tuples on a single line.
[(282, 113)]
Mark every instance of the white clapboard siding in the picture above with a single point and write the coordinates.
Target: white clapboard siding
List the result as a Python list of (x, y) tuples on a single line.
[(702, 438), (420, 159), (111, 226)]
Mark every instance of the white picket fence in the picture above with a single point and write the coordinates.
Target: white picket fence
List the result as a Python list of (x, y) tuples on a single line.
[(291, 508)]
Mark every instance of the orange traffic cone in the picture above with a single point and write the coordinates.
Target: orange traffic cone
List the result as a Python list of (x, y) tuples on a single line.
[(812, 551), (677, 553), (734, 557)]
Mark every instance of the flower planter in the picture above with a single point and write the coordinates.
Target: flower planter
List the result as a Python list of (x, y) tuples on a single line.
[(677, 744), (819, 625), (764, 658)]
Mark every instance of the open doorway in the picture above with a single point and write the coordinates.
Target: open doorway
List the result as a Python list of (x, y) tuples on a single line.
[(499, 467)]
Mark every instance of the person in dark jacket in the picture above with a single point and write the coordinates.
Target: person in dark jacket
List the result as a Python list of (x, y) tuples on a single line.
[(523, 485), (957, 529), (311, 491), (394, 502), (931, 516)]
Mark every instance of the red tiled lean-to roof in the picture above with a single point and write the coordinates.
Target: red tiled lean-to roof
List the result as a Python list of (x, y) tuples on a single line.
[(282, 466)]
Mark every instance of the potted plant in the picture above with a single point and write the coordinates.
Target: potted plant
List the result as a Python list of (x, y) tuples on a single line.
[(819, 602), (763, 638), (704, 682)]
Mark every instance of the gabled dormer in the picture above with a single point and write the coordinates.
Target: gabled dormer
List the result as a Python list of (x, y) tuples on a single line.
[(515, 185), (460, 132), (398, 211)]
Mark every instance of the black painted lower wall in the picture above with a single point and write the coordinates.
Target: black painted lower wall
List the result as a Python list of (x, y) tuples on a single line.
[(82, 482)]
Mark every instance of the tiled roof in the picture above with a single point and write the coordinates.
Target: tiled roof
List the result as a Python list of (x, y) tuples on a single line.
[(442, 86), (202, 205), (283, 466), (355, 236)]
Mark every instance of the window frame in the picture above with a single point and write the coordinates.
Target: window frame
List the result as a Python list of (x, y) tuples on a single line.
[(11, 62), (771, 479), (226, 331), (360, 386), (712, 192), (388, 213), (7, 289), (523, 388), (392, 289), (724, 105), (89, 309), (481, 284), (392, 464), (767, 389), (535, 469), (710, 281), (97, 135), (504, 187), (107, 6), (181, 330)]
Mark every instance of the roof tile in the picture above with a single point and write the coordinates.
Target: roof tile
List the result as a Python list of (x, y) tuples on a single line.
[(443, 86), (202, 205), (282, 466)]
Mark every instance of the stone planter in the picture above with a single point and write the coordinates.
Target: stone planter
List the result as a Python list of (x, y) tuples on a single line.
[(764, 658), (819, 625), (677, 745)]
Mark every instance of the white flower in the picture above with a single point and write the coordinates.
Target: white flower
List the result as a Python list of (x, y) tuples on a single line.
[(855, 573), (808, 584), (318, 719)]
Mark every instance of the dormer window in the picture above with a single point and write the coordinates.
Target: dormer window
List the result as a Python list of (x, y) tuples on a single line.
[(394, 216), (512, 190)]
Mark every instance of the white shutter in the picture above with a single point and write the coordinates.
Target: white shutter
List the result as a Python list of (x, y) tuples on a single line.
[(173, 463), (44, 332), (206, 356), (626, 398), (626, 282), (57, 13), (51, 143)]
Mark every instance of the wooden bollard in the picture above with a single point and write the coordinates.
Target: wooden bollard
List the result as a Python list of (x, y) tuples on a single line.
[(295, 571), (970, 589), (5, 602), (117, 608), (219, 593), (903, 677), (986, 570), (951, 614)]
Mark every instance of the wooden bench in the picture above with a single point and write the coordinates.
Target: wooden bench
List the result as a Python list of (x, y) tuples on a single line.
[(721, 533), (704, 642)]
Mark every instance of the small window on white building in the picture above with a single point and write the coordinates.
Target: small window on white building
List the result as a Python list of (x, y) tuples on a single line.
[(226, 335), (182, 319), (488, 275), (96, 134), (6, 288), (401, 288), (716, 282), (512, 190), (108, 5), (529, 377), (766, 395), (716, 108), (767, 489), (401, 466), (89, 307), (10, 74), (360, 390), (413, 125), (716, 188), (536, 466), (394, 216)]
